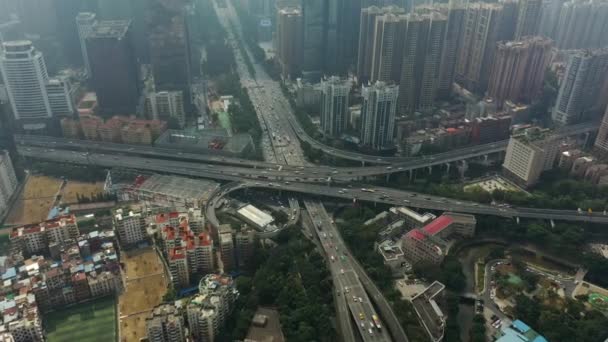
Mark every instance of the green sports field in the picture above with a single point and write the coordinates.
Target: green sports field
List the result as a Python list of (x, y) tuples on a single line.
[(93, 321)]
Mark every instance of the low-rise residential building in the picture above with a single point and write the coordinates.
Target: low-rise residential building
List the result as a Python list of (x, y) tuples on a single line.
[(35, 238), (520, 332), (166, 324), (393, 256), (427, 305), (428, 244)]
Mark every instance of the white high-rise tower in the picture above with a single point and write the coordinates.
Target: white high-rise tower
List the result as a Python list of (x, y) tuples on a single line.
[(25, 77)]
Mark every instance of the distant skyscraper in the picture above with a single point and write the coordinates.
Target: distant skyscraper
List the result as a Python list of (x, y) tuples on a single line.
[(367, 37), (601, 142), (388, 47), (114, 70), (528, 18), (289, 41), (314, 14), (334, 105), (581, 86), (484, 24), (582, 25), (453, 35), (84, 23), (378, 115), (169, 45), (25, 78), (423, 43), (518, 71)]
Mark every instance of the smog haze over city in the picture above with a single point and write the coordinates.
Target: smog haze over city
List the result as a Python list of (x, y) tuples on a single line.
[(304, 170)]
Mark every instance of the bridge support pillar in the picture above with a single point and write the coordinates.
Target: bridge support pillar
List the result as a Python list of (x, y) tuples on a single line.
[(411, 172), (388, 177), (552, 223), (430, 169), (362, 163), (447, 168), (517, 220), (587, 134), (463, 168)]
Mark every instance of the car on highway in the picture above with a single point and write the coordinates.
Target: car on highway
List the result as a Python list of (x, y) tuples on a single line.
[(361, 317)]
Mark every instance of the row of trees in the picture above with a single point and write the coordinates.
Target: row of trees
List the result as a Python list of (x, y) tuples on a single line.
[(294, 278), (570, 323)]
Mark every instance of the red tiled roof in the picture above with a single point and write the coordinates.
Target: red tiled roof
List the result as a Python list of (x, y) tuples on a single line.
[(438, 224), (176, 253), (415, 234)]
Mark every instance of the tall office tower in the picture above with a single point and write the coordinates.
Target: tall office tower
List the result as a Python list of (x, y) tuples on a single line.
[(550, 11), (582, 25), (289, 41), (528, 18), (25, 78), (451, 46), (378, 115), (314, 14), (518, 71), (387, 54), (84, 23), (334, 105), (581, 86), (601, 142), (8, 180), (482, 27), (423, 43), (166, 324), (169, 45), (114, 69), (60, 93), (367, 35)]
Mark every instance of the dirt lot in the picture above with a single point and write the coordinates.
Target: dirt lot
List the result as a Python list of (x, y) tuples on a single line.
[(82, 188), (35, 200), (145, 288)]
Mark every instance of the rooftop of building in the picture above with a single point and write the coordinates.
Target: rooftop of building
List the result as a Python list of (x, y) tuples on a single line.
[(390, 250), (110, 29), (255, 215), (519, 331), (59, 221), (412, 214), (532, 134), (429, 311), (178, 187)]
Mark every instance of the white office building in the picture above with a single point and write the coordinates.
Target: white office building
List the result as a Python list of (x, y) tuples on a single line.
[(25, 78), (334, 105), (59, 91)]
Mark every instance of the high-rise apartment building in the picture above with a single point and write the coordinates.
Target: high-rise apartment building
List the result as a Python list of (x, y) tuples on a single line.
[(289, 41), (177, 259), (422, 48), (582, 25), (227, 248), (245, 245), (367, 37), (334, 105), (8, 181), (550, 10), (387, 54), (208, 311), (529, 153), (581, 86), (483, 27), (164, 105), (601, 142), (169, 45), (130, 226), (114, 69), (84, 23), (518, 70), (35, 238), (378, 115), (451, 47), (528, 18), (25, 77), (166, 324)]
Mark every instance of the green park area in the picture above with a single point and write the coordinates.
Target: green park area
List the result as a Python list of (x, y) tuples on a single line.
[(599, 301), (93, 321)]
